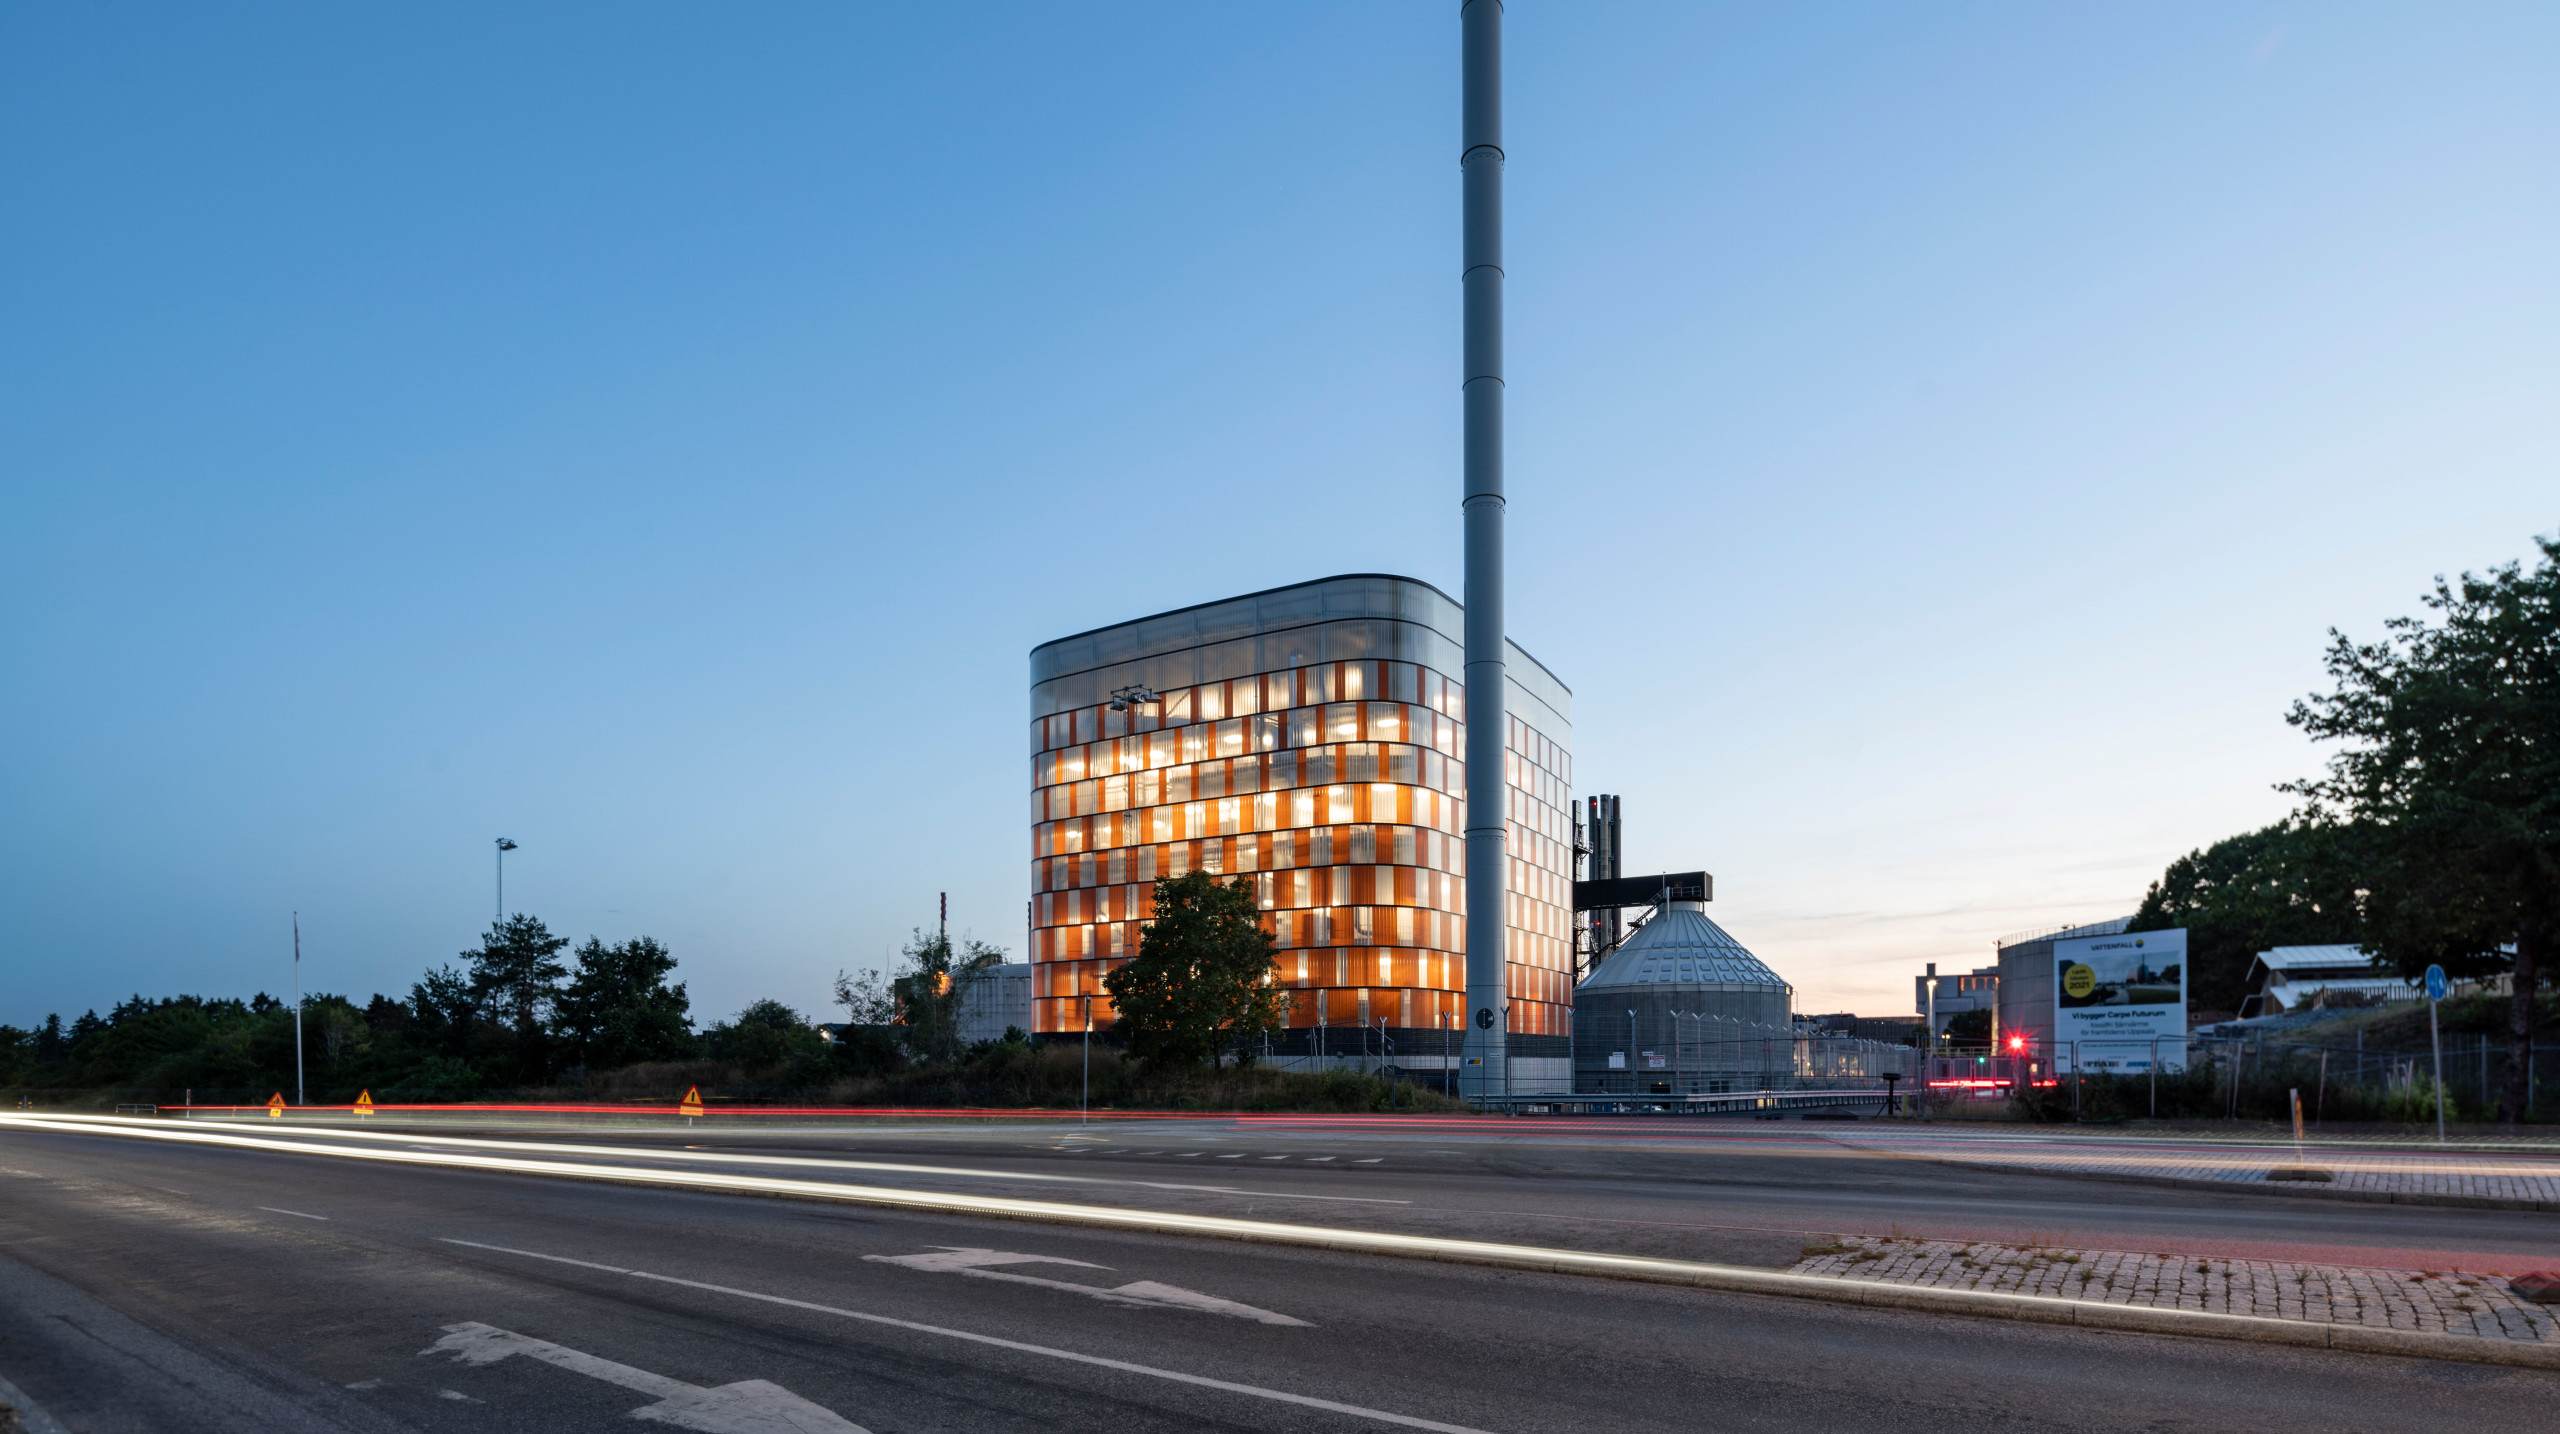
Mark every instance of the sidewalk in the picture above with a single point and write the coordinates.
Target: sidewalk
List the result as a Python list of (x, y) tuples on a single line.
[(2418, 1302), (2415, 1174)]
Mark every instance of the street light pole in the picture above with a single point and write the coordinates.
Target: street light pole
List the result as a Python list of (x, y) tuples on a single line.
[(297, 1009), (504, 846), (1085, 1114)]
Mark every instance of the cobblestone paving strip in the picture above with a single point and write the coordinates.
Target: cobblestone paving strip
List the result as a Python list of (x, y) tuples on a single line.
[(2478, 1306)]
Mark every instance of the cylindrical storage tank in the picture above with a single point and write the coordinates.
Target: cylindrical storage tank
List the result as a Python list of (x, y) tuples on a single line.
[(1683, 1009)]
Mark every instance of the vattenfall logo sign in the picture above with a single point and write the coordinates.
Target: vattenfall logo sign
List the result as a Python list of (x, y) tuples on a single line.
[(2116, 945)]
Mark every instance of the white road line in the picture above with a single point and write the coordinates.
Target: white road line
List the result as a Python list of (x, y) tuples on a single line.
[(1236, 1155), (977, 1263), (1275, 1157), (430, 1144), (1188, 1155), (1372, 1160), (1319, 1159), (749, 1406), (1197, 1381), (277, 1210)]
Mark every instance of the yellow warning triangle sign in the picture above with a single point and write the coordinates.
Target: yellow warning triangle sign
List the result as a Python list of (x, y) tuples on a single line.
[(692, 1101), (364, 1103), (275, 1106)]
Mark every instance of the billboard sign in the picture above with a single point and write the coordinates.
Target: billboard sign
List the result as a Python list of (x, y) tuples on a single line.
[(2118, 998)]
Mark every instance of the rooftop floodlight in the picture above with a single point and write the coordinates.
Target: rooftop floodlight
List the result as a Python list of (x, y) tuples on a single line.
[(505, 845)]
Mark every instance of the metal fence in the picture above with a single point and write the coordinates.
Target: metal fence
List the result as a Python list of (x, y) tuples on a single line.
[(2256, 1075), (1715, 1055), (2356, 1075)]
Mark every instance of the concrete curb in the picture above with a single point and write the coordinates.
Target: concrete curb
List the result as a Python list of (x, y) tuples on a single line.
[(1990, 1304), (21, 1415), (2308, 1190)]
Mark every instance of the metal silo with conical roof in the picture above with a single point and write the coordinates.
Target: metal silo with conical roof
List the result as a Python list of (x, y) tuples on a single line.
[(1682, 1008)]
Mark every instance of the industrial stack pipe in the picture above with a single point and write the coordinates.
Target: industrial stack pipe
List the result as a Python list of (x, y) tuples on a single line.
[(1488, 862)]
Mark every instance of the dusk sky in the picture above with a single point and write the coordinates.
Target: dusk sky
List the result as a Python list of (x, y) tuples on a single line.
[(1940, 437)]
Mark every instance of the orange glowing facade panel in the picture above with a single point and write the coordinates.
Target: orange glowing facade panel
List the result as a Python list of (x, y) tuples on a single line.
[(1334, 787)]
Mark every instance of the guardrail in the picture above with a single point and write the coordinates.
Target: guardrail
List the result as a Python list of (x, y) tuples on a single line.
[(1748, 1102)]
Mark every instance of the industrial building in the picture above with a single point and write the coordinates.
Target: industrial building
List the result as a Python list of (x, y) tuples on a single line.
[(992, 1001), (2100, 997), (2024, 989), (1311, 739), (1938, 1000)]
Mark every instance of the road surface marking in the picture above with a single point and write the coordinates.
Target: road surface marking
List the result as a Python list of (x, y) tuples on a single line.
[(888, 1195), (749, 1406), (279, 1210), (1188, 1155), (1145, 1294), (458, 1396), (1237, 1155), (1275, 1157), (1318, 1159), (431, 1144), (1372, 1160), (1197, 1381)]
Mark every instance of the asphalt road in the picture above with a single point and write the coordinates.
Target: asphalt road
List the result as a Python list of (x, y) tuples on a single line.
[(1728, 1192), (153, 1286)]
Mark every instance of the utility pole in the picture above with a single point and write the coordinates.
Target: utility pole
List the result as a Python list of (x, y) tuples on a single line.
[(297, 1009)]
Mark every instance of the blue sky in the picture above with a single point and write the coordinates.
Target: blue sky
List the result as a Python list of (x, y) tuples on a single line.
[(1939, 437)]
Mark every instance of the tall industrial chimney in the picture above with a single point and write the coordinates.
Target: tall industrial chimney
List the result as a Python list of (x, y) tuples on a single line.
[(1488, 863)]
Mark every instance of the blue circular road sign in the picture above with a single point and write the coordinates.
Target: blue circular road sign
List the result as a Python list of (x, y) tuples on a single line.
[(2435, 983)]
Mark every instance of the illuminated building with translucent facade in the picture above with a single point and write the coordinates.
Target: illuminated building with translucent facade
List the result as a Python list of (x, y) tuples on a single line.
[(1307, 740)]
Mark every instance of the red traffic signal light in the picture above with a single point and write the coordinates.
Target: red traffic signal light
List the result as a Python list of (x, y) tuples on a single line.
[(2017, 1045)]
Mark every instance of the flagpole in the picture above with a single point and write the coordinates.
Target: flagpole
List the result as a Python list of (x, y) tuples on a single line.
[(297, 1008)]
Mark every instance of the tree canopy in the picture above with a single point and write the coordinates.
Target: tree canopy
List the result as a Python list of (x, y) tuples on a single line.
[(925, 997), (1200, 984), (618, 1009), (769, 1040), (505, 1018), (2291, 884), (2447, 778), (515, 978)]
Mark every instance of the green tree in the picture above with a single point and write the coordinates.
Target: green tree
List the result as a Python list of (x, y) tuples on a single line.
[(866, 998), (515, 980), (927, 996), (443, 1011), (770, 1040), (2291, 884), (52, 1049), (618, 1007), (2448, 772), (1201, 981)]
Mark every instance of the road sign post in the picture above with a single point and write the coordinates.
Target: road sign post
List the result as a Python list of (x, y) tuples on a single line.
[(2435, 1041)]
